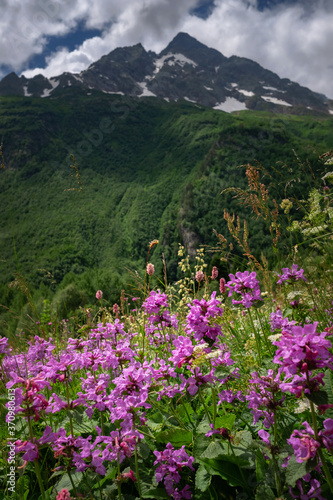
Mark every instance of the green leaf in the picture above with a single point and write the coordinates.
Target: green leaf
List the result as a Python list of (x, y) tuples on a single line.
[(111, 473), (183, 413), (200, 444), (65, 482), (144, 450), (226, 421), (227, 467), (296, 470), (202, 478), (156, 493), (325, 395), (261, 466), (264, 492), (203, 426), (176, 436), (214, 450)]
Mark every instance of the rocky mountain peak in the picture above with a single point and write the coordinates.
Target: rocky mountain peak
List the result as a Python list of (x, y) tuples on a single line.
[(185, 69)]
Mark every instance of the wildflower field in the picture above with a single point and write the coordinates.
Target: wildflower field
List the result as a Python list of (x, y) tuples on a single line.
[(212, 387)]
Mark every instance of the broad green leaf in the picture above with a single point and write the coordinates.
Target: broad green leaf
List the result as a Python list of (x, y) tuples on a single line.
[(296, 470), (144, 450), (65, 482), (202, 478), (200, 445), (214, 450), (318, 398), (203, 426), (176, 436), (226, 421), (185, 412), (228, 468)]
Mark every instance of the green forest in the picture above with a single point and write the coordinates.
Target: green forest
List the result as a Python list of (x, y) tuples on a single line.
[(87, 182)]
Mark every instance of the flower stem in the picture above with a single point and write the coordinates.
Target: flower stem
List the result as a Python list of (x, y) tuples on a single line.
[(137, 471), (256, 336), (118, 482), (204, 405), (320, 451)]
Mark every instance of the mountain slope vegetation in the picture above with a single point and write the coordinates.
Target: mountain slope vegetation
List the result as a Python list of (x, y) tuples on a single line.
[(88, 181)]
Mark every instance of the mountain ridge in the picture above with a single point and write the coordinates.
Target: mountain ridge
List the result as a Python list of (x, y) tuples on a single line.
[(184, 70)]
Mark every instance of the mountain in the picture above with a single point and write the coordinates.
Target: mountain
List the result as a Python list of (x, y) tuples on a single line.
[(185, 70)]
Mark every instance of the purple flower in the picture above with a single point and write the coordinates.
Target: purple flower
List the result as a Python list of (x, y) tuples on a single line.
[(30, 449), (278, 322), (263, 401), (303, 443), (155, 301), (183, 352), (197, 380), (291, 275), (264, 435), (314, 491), (200, 317), (247, 285), (222, 431), (303, 349), (4, 348), (327, 434), (170, 463)]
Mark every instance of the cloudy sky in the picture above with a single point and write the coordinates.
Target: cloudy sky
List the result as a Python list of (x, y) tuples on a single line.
[(293, 38)]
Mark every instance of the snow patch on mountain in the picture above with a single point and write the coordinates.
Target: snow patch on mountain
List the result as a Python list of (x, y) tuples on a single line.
[(145, 92), (246, 92), (25, 90), (230, 104), (274, 100), (54, 84), (172, 60)]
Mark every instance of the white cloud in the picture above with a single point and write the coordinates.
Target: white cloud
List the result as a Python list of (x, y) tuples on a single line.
[(293, 40)]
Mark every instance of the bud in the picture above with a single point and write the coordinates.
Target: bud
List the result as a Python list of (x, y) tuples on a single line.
[(222, 285), (215, 273), (199, 276), (150, 269), (99, 294), (115, 309)]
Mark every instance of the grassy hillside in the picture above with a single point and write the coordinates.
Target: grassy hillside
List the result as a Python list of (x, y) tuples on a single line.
[(143, 169)]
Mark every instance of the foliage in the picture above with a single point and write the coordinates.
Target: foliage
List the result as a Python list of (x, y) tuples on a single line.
[(142, 169)]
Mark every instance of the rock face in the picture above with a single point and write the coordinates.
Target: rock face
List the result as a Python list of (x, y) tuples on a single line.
[(185, 69)]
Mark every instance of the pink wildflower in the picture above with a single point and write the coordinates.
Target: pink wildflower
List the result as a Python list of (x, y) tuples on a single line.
[(199, 276), (63, 495), (150, 269), (215, 273), (99, 294), (222, 286)]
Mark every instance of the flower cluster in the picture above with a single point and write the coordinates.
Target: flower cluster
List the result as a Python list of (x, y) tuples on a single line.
[(306, 444), (263, 399), (247, 285), (298, 354), (199, 319), (278, 322), (291, 275), (170, 462)]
